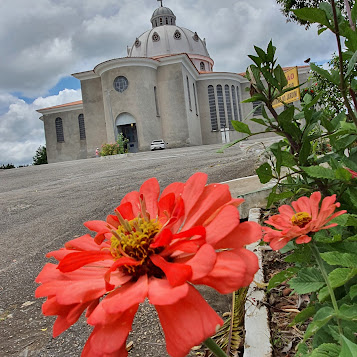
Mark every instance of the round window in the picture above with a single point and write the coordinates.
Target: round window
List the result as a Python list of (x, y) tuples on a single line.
[(120, 84), (177, 35)]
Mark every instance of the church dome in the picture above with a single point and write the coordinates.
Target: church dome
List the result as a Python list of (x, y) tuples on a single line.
[(163, 16), (167, 40)]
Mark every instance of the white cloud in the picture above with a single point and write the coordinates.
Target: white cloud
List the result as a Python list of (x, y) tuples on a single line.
[(21, 131)]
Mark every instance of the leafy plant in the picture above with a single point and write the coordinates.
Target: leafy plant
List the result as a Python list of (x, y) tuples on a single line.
[(40, 157), (317, 152)]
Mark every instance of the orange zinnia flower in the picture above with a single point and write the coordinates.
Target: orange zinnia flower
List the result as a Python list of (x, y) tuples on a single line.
[(302, 218), (154, 247)]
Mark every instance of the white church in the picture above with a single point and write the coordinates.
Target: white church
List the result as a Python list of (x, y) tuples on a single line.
[(166, 88)]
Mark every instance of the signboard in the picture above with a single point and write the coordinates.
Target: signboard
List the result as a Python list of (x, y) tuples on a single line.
[(293, 95)]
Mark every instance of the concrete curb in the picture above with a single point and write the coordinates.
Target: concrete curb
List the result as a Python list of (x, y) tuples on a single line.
[(257, 331)]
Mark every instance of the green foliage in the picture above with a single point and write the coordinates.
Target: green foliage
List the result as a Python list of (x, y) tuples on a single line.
[(318, 146), (40, 157), (7, 166), (117, 148)]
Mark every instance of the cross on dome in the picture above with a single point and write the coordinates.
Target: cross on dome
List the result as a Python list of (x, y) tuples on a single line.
[(160, 1)]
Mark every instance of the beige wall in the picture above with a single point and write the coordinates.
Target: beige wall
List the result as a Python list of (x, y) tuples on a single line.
[(94, 118), (172, 102), (72, 148), (138, 100)]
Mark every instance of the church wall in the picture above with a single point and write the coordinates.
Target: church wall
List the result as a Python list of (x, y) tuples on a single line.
[(192, 115), (172, 103), (94, 117), (72, 148), (210, 136), (138, 100)]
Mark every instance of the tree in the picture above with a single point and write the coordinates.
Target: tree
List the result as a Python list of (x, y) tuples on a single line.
[(7, 166), (287, 6), (40, 157)]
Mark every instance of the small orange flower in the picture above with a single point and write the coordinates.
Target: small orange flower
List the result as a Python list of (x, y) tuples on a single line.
[(302, 218)]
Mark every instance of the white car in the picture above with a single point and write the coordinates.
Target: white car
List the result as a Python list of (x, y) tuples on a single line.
[(157, 144)]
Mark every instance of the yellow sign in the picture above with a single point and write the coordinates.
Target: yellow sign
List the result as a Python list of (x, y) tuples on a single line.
[(293, 95)]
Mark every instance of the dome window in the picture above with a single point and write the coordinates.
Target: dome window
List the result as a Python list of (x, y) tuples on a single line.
[(137, 43), (160, 20), (195, 37), (155, 37), (177, 35), (167, 21), (202, 66)]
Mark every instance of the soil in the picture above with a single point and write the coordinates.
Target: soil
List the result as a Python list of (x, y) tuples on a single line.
[(283, 306)]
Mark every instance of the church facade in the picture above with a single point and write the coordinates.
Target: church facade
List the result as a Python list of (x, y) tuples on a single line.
[(165, 88)]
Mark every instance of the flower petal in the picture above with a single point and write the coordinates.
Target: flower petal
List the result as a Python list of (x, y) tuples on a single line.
[(162, 293), (109, 336), (150, 189), (303, 239), (176, 274), (202, 262), (246, 233), (232, 270), (123, 298), (187, 323)]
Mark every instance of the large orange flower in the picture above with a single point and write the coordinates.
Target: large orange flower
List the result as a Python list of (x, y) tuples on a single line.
[(154, 247), (304, 217)]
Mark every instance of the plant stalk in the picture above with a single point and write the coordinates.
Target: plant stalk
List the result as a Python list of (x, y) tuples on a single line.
[(327, 281), (343, 88), (209, 343)]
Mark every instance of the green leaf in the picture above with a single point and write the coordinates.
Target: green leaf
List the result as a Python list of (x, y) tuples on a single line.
[(319, 172), (349, 349), (271, 51), (346, 220), (353, 291), (348, 312), (307, 281), (343, 175), (260, 53), (275, 197), (280, 76), (305, 151), (257, 60), (351, 64), (327, 236), (348, 260), (259, 121), (354, 13), (264, 172), (324, 73), (304, 315), (241, 127), (326, 350), (312, 15), (322, 317), (341, 276), (278, 278)]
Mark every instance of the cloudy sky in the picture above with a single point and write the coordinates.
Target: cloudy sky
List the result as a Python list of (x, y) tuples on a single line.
[(43, 41)]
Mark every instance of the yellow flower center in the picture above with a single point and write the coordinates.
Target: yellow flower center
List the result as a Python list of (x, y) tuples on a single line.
[(301, 219), (132, 239)]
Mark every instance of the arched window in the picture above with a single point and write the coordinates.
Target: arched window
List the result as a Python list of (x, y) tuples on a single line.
[(258, 106), (172, 20), (228, 105), (167, 21), (156, 103), (235, 108), (212, 108), (189, 94), (194, 94), (202, 66), (59, 130), (160, 20), (238, 103), (221, 111), (82, 129)]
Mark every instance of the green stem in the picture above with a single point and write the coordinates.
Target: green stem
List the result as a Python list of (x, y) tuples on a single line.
[(214, 348), (327, 281)]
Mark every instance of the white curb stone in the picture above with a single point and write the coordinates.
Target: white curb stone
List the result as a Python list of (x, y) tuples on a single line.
[(257, 332)]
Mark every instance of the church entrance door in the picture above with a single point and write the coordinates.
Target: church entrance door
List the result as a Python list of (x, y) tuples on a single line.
[(126, 124), (129, 132)]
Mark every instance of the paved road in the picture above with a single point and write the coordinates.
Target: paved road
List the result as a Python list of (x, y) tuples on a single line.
[(43, 207)]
